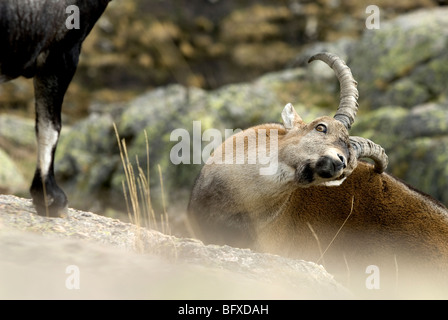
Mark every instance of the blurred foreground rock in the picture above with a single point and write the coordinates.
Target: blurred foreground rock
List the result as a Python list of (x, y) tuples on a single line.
[(117, 260)]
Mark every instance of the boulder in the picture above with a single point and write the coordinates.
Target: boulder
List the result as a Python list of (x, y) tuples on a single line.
[(17, 153), (17, 131), (117, 260), (405, 61), (11, 179)]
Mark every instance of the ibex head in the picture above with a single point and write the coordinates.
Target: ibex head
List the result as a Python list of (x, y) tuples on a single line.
[(322, 152)]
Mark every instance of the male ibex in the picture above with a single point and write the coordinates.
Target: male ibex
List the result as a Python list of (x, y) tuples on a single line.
[(36, 41), (321, 204)]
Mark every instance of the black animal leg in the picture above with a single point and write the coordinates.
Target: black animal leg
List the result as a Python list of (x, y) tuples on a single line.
[(50, 84)]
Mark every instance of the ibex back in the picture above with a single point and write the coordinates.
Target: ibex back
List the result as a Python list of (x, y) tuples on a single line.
[(322, 204)]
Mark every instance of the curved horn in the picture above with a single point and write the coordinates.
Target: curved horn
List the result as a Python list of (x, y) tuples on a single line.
[(348, 102), (365, 148)]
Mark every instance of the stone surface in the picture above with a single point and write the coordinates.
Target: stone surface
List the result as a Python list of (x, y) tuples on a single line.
[(11, 179), (404, 62), (118, 260)]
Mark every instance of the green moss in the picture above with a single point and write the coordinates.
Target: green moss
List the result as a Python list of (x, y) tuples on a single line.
[(381, 125), (422, 163), (407, 93), (391, 63)]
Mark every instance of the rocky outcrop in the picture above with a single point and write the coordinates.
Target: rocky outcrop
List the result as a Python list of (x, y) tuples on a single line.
[(416, 140), (404, 62), (116, 260)]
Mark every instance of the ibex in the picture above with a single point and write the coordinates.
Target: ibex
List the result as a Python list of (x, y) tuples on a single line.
[(321, 204), (37, 40)]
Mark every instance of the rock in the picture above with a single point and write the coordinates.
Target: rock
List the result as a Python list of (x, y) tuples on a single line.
[(416, 141), (11, 179), (17, 154), (17, 131), (117, 260), (404, 62)]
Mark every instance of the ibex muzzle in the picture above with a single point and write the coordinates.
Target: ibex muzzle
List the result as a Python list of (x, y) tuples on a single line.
[(322, 152)]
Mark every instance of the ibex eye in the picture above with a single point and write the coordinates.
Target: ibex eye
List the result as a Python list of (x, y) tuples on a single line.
[(321, 128)]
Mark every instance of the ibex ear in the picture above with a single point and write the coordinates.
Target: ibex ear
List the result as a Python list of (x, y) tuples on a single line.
[(290, 117)]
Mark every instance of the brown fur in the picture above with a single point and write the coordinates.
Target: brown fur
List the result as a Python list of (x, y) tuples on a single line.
[(370, 219), (384, 223)]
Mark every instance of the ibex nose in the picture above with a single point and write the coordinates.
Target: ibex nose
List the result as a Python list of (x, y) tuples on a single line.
[(328, 167), (343, 160)]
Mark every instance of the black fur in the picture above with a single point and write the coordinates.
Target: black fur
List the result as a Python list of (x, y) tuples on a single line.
[(327, 167), (35, 42), (306, 175)]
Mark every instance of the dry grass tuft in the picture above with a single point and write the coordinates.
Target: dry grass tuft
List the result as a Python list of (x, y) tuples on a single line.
[(137, 194)]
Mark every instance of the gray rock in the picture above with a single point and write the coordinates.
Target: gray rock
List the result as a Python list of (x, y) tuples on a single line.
[(17, 130), (11, 179), (39, 254), (404, 62)]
